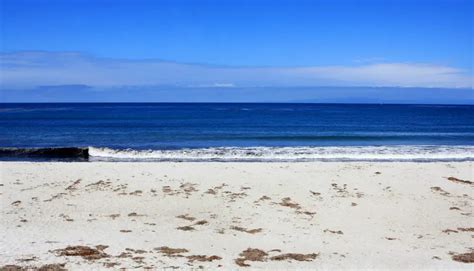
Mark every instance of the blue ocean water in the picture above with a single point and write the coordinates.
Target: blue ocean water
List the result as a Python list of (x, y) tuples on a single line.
[(243, 131)]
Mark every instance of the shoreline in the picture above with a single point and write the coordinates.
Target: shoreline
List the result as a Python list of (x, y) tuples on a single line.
[(227, 215), (376, 153)]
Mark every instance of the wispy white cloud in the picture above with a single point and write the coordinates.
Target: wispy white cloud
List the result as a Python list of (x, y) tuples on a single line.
[(32, 69)]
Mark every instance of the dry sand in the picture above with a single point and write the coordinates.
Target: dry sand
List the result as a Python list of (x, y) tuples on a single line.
[(237, 215)]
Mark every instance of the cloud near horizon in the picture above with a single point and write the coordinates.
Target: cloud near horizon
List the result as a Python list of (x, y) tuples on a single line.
[(21, 70)]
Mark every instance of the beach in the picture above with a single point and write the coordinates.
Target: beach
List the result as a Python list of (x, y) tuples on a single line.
[(237, 216)]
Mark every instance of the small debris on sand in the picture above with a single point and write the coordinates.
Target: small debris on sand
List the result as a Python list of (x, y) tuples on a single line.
[(136, 193), (258, 255), (251, 254), (211, 191), (125, 231), (185, 188), (353, 204), (46, 267), (308, 213), (166, 189), (315, 193), (138, 251), (16, 203), (188, 188), (448, 231), (201, 222), (98, 184), (343, 191), (53, 267), (186, 228), (287, 202), (262, 198), (171, 252), (233, 195), (66, 217), (125, 255), (85, 252), (454, 208), (12, 267), (466, 229), (101, 247), (440, 190), (378, 172), (294, 256), (34, 258), (102, 185), (464, 258), (252, 231), (391, 238), (203, 258), (186, 217), (335, 232), (73, 187), (456, 180), (111, 264)]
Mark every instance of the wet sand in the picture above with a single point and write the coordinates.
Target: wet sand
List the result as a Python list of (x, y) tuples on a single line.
[(237, 215)]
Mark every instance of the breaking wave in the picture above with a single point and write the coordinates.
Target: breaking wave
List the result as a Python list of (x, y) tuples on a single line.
[(275, 154)]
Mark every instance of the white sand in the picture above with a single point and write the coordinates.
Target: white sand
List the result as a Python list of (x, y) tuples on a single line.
[(397, 221)]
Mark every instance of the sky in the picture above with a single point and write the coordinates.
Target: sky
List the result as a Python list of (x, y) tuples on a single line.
[(256, 51)]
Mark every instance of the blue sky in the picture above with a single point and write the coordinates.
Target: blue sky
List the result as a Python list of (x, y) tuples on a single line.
[(110, 45)]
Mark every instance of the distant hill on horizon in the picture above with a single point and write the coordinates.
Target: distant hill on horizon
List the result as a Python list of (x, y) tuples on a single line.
[(376, 95)]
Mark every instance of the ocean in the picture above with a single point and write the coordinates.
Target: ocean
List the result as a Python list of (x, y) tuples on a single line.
[(236, 132)]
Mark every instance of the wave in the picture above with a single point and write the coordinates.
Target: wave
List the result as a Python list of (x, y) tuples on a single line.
[(289, 154), (249, 154), (46, 153)]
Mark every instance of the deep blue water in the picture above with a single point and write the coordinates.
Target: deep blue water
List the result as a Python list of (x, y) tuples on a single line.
[(177, 126)]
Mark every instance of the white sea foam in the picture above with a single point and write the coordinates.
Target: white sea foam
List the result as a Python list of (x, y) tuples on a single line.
[(365, 153)]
